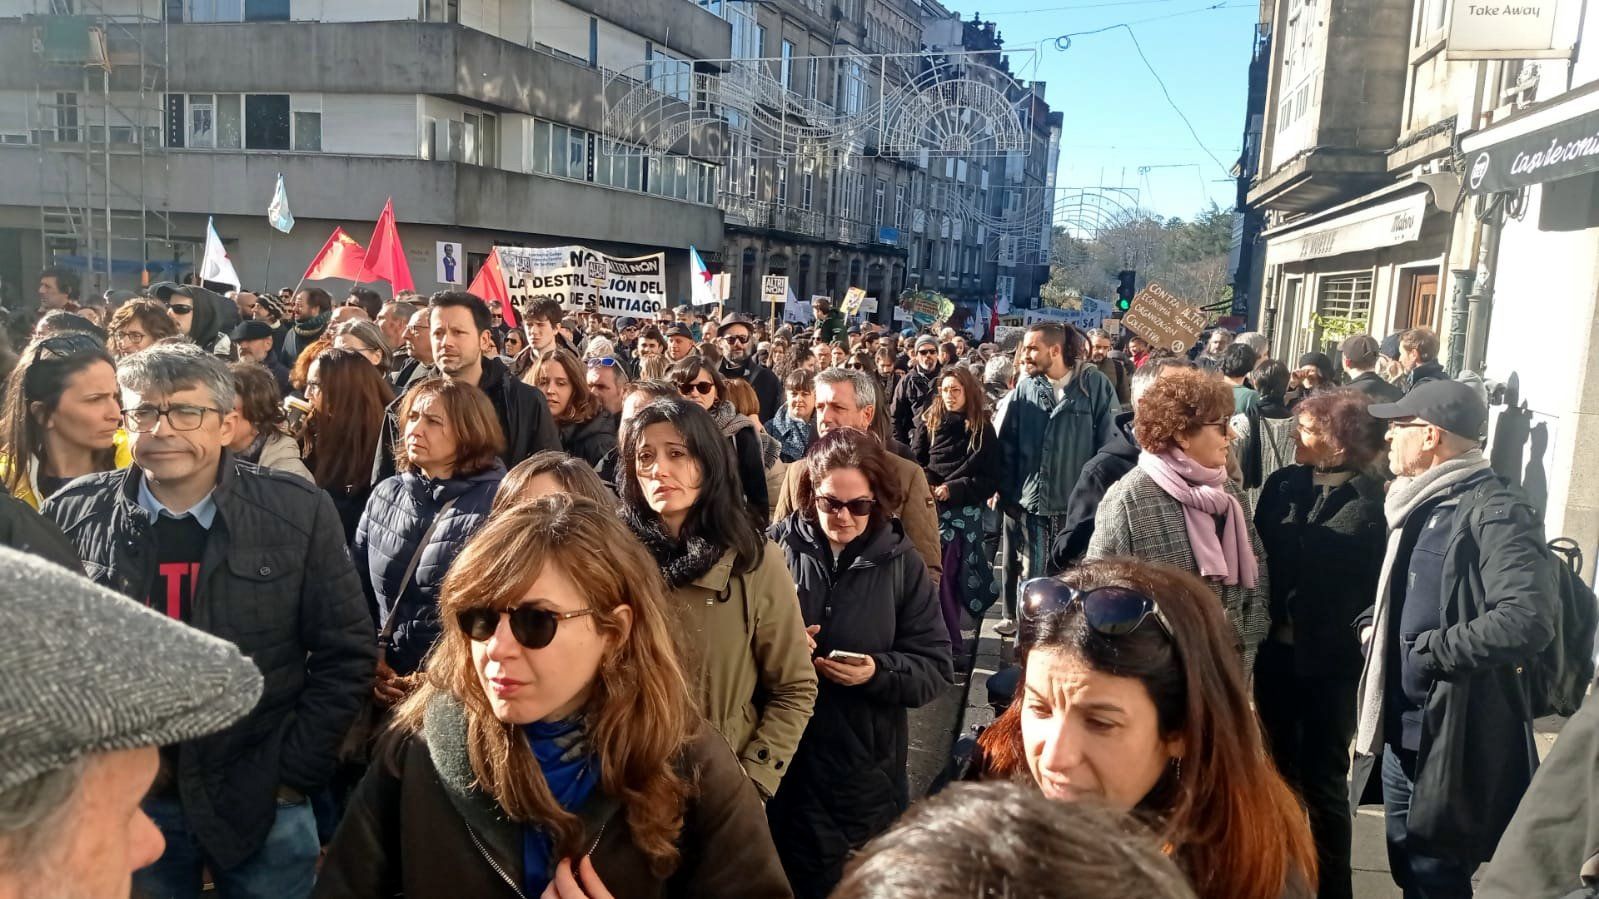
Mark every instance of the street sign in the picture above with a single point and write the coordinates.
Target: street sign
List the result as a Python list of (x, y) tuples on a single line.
[(774, 288), (1164, 320)]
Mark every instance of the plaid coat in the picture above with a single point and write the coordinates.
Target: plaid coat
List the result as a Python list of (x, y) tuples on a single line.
[(1140, 520)]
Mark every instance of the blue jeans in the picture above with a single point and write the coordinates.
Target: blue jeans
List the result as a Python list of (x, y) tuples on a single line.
[(283, 868), (1418, 876)]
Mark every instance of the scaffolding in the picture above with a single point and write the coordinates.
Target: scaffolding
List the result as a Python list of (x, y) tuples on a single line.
[(99, 116)]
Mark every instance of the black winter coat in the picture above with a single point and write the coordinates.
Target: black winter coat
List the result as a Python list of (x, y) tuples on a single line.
[(590, 440), (847, 782), (1324, 550), (400, 512), (524, 417), (1118, 456), (1371, 385), (276, 580), (972, 475), (915, 393), (25, 530), (768, 387), (1421, 374)]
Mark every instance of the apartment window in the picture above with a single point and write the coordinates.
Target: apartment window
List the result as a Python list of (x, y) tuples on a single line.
[(782, 184), (67, 118), (670, 75), (247, 121), (752, 170), (899, 206), (267, 124), (760, 41), (851, 88), (236, 11), (785, 71), (807, 182), (878, 191), (308, 131), (814, 78)]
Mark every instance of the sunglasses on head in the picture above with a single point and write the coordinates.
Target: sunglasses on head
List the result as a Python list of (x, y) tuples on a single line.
[(693, 387), (59, 345), (1109, 611), (532, 626), (603, 361), (832, 505), (181, 308)]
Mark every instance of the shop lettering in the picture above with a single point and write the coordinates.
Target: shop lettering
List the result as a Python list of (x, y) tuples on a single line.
[(1476, 10), (1528, 163)]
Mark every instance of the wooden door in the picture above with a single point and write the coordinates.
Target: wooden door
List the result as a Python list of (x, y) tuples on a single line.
[(1421, 305)]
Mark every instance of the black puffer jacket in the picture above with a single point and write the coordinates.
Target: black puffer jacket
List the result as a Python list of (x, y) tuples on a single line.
[(915, 393), (971, 475), (275, 580), (768, 388), (1118, 456), (25, 530), (847, 782), (590, 440), (390, 534)]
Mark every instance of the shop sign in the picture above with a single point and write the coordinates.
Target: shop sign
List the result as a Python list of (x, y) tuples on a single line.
[(1384, 225), (1503, 29), (1560, 150)]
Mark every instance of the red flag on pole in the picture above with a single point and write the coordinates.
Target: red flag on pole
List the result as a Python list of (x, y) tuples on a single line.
[(490, 286), (385, 258), (340, 257)]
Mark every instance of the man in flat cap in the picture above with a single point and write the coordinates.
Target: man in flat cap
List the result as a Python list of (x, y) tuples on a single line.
[(1466, 599), (90, 686), (258, 558)]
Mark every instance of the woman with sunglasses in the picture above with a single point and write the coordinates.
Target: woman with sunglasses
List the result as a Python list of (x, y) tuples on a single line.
[(879, 644), (1179, 507), (704, 386), (62, 417), (515, 343), (1131, 696), (553, 749), (1325, 534), (954, 441), (746, 656), (588, 431), (348, 400)]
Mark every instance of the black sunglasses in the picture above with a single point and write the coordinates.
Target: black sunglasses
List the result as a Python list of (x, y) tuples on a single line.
[(59, 345), (532, 626), (1109, 611), (700, 387), (737, 338), (832, 505), (182, 309)]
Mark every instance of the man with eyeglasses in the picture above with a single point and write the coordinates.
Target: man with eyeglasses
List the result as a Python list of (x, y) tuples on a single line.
[(257, 558), (917, 389), (1466, 601), (736, 336)]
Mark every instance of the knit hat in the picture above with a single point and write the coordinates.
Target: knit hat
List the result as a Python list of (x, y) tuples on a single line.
[(928, 340), (84, 670)]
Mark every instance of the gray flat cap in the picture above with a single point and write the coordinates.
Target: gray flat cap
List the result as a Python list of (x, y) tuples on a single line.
[(85, 670)]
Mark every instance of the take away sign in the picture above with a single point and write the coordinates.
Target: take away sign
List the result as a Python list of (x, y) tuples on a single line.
[(1164, 320)]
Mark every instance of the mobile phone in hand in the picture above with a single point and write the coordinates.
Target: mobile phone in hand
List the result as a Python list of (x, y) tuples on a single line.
[(848, 658)]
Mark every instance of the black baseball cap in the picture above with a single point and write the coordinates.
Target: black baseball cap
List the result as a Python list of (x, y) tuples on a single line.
[(679, 330), (1451, 405), (252, 330)]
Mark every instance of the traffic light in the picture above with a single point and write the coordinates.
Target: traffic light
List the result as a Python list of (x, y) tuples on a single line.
[(1124, 291)]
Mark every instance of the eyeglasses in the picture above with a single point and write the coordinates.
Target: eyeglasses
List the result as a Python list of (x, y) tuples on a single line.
[(1413, 423), (183, 417), (1109, 611), (181, 309), (604, 362), (62, 345), (128, 336), (832, 505), (703, 388), (1219, 424), (532, 627)]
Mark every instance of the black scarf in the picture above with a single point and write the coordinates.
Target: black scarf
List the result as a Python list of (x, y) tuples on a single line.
[(312, 328), (682, 562)]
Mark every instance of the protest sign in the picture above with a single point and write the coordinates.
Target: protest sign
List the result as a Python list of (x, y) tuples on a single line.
[(798, 312), (853, 299), (774, 288), (576, 275), (1164, 320)]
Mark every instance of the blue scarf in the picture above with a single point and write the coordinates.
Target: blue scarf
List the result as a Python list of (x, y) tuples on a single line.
[(562, 753)]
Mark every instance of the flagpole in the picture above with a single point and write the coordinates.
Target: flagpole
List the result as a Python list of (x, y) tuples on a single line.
[(270, 241)]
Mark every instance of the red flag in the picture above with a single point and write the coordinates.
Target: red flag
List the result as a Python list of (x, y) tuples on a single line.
[(385, 258), (341, 257), (490, 286)]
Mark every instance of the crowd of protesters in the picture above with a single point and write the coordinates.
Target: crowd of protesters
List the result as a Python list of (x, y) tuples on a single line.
[(401, 598)]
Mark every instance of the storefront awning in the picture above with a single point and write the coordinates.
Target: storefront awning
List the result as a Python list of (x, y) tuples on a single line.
[(1560, 140), (1384, 225)]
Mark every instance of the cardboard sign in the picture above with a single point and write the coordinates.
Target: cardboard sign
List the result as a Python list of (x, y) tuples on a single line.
[(774, 288), (1164, 320), (901, 314), (1111, 326), (853, 298), (577, 275)]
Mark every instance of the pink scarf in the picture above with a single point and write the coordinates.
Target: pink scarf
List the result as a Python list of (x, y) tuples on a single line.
[(1203, 496)]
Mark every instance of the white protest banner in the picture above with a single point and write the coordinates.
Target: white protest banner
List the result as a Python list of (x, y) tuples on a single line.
[(798, 311), (576, 275), (901, 314), (774, 288)]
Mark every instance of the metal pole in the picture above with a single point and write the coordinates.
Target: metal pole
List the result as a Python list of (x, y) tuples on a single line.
[(1479, 308), (1459, 312)]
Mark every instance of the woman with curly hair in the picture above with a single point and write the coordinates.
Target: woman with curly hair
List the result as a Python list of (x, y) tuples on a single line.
[(552, 748), (1325, 535), (1178, 506), (1131, 696), (138, 324), (260, 437)]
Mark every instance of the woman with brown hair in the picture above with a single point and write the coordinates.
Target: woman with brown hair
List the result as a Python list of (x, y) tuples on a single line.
[(138, 324), (547, 473), (552, 748), (1178, 507), (417, 521), (588, 431), (62, 417), (339, 437), (703, 385), (300, 372), (954, 441), (1325, 534), (259, 436), (1131, 696), (878, 645)]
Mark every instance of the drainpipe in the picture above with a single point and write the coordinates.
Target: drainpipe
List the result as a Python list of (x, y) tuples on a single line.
[(1459, 314), (1480, 302)]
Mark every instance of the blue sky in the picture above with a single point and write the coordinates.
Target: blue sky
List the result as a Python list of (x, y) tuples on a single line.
[(1116, 118)]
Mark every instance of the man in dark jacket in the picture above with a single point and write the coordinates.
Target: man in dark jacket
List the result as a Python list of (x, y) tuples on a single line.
[(207, 318), (1418, 353), (736, 336), (917, 389), (1466, 598), (310, 310), (1360, 352), (27, 531), (254, 557), (460, 323)]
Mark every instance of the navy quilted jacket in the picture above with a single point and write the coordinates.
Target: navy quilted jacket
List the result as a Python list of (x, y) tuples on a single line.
[(397, 515)]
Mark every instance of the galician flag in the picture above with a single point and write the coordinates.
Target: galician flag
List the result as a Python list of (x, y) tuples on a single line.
[(704, 292), (215, 265), (278, 210)]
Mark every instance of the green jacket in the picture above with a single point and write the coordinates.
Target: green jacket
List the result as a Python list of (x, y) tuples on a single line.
[(835, 326), (1046, 444)]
